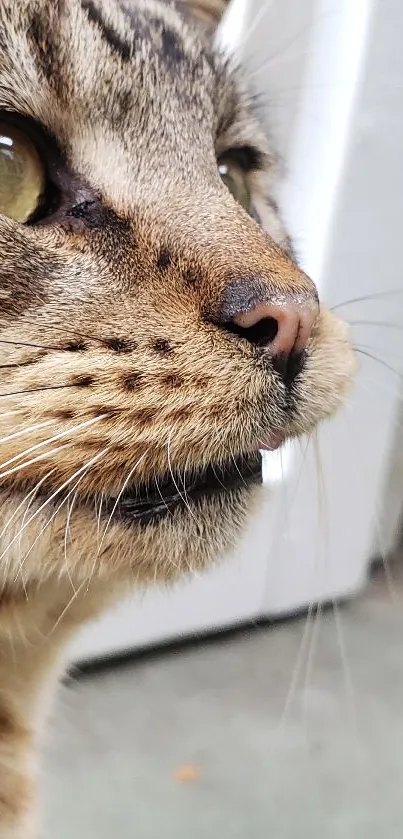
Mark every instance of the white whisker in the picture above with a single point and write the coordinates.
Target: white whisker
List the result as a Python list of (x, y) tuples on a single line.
[(255, 23), (236, 465), (124, 485), (37, 459), (296, 671), (66, 608), (322, 544), (54, 495), (161, 496), (280, 55), (67, 532), (348, 681), (10, 413), (99, 514), (58, 436), (185, 501), (24, 431), (46, 525), (31, 492), (378, 531), (29, 505)]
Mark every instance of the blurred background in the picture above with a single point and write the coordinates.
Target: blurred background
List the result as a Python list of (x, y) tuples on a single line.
[(265, 698)]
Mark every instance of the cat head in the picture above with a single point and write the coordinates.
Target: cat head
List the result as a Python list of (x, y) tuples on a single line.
[(155, 329)]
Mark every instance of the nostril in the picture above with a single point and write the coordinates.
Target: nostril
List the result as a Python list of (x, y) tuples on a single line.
[(279, 329), (261, 334), (274, 327)]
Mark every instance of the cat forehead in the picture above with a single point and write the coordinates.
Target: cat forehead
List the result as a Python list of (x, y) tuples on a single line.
[(120, 85), (103, 59)]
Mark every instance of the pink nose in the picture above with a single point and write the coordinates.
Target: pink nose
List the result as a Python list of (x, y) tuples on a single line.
[(283, 328)]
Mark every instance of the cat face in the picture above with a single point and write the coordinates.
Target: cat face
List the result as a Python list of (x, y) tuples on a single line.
[(138, 240)]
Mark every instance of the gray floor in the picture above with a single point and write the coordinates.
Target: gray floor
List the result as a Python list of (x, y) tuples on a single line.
[(284, 733)]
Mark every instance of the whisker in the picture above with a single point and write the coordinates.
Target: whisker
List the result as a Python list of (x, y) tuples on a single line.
[(235, 464), (10, 413), (185, 501), (47, 524), (124, 485), (379, 360), (51, 325), (377, 526), (316, 621), (296, 671), (99, 515), (303, 30), (161, 496), (219, 479), (377, 348), (39, 457), (29, 497), (348, 680), (32, 345), (322, 498), (308, 629), (321, 550), (255, 23), (31, 492), (54, 494), (35, 390), (31, 501), (55, 437), (182, 479), (385, 386), (67, 533), (24, 431), (383, 324), (16, 366), (74, 596), (366, 298)]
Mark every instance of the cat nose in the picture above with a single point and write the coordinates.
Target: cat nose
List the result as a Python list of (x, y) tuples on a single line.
[(282, 328)]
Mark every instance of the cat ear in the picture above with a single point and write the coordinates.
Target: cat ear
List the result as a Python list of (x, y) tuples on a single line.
[(207, 12)]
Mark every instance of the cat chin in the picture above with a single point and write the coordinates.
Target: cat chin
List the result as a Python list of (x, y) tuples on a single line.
[(188, 540), (118, 554)]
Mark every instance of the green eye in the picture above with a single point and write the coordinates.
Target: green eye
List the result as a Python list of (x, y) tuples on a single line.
[(236, 181), (22, 175)]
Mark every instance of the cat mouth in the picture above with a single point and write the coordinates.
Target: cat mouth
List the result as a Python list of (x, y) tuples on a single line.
[(164, 495)]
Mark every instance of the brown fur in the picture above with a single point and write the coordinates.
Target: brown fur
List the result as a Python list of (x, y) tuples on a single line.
[(114, 355)]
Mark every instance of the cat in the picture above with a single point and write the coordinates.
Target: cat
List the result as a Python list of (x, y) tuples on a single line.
[(156, 331)]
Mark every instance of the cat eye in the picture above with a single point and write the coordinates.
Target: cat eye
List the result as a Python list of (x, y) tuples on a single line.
[(22, 174), (236, 181)]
